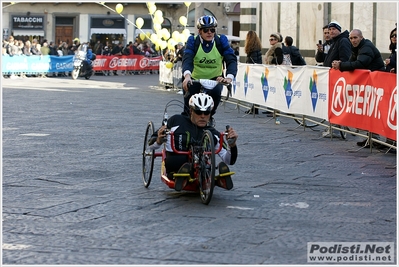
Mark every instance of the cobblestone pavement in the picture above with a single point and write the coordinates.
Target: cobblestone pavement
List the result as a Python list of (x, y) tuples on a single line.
[(73, 194)]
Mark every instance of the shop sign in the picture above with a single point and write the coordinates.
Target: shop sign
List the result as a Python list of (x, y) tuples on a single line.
[(27, 22)]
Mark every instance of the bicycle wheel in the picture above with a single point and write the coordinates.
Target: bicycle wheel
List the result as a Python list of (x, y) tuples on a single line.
[(148, 156), (207, 168), (308, 124)]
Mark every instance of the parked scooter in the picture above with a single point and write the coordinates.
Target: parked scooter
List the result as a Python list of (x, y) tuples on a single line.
[(82, 66)]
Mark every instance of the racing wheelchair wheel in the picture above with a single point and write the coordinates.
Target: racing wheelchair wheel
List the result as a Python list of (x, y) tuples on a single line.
[(207, 168), (148, 155)]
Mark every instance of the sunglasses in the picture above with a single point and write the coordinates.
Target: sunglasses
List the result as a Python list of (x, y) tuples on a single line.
[(200, 112), (206, 30), (272, 39), (393, 36)]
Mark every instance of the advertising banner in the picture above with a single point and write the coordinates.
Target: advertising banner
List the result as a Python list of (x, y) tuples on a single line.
[(365, 100)]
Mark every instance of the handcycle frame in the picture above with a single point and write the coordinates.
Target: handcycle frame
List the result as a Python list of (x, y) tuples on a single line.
[(202, 159)]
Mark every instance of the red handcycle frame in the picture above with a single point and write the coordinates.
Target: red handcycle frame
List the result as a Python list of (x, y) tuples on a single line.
[(193, 183), (203, 180)]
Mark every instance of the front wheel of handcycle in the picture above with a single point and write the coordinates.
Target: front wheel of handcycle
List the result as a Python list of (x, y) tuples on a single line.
[(207, 167), (148, 155)]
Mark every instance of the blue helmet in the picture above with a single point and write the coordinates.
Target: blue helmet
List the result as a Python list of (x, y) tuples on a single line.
[(206, 22)]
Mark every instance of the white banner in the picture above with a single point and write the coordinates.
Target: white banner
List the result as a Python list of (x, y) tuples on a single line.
[(297, 90)]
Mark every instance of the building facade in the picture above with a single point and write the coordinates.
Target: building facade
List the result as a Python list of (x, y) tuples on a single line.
[(303, 21)]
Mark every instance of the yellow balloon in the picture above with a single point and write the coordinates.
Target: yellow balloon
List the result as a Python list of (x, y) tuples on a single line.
[(152, 9), (169, 65), (183, 20), (163, 44), (186, 32), (175, 35), (165, 34), (139, 22), (158, 14), (142, 36), (187, 4), (119, 8), (154, 37), (157, 27), (148, 34)]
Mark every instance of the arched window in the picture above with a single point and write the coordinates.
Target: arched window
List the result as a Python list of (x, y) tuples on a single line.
[(191, 17)]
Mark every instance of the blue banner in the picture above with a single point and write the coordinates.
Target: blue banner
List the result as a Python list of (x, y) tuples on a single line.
[(39, 64)]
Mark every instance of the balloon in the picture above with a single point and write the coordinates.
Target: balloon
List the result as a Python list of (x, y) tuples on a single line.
[(187, 4), (163, 44), (139, 22), (175, 35), (152, 9), (119, 8), (186, 32), (158, 14), (183, 20), (142, 36), (157, 27), (157, 20), (165, 34), (154, 37), (169, 65), (148, 34)]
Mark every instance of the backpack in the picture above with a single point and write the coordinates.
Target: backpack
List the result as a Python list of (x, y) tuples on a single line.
[(286, 59), (286, 56)]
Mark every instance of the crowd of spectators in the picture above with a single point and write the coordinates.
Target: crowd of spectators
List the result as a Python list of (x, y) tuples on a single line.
[(19, 47)]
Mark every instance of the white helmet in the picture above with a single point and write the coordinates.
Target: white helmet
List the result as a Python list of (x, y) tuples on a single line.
[(201, 102)]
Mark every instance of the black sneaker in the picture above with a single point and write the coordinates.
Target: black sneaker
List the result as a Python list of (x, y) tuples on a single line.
[(181, 176), (224, 177)]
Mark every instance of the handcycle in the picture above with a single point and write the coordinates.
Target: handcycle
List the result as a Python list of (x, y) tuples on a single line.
[(201, 155)]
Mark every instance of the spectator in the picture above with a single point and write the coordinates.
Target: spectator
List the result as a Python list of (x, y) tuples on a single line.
[(253, 47), (275, 53), (117, 51), (169, 54), (179, 52), (97, 47), (106, 52), (295, 55), (340, 48), (390, 63), (323, 48), (45, 50), (35, 49), (364, 56), (135, 49), (53, 49)]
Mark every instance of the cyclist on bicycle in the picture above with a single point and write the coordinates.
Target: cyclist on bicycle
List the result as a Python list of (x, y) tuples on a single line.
[(204, 58), (187, 129)]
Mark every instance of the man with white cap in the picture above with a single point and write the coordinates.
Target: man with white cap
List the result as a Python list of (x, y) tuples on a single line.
[(341, 48)]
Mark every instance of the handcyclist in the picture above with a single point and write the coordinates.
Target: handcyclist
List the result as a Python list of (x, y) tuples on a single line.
[(188, 128), (204, 58)]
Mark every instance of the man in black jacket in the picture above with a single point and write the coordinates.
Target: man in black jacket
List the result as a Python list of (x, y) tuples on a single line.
[(340, 48), (364, 55)]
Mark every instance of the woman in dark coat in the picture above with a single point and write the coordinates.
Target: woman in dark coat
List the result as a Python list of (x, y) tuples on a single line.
[(253, 47), (390, 63)]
